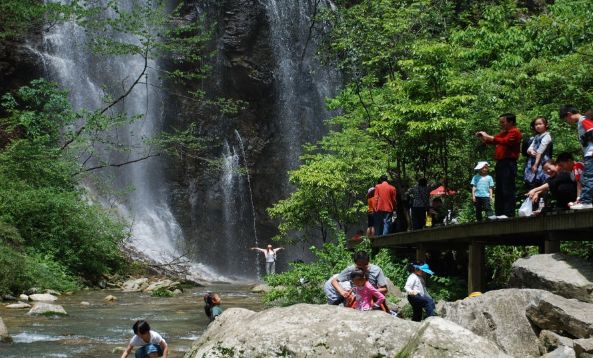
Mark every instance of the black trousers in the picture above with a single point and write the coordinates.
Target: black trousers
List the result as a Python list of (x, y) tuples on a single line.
[(504, 198)]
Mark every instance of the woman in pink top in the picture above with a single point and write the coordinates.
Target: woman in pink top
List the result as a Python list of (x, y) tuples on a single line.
[(367, 296)]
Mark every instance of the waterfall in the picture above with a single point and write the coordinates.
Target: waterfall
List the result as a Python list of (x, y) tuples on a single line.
[(255, 239), (155, 232), (219, 218), (303, 83)]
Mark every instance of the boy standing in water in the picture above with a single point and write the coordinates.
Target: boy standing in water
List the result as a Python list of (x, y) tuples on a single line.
[(151, 343), (482, 184)]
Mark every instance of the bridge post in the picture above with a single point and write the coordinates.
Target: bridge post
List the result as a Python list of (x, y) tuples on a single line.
[(552, 242), (475, 267)]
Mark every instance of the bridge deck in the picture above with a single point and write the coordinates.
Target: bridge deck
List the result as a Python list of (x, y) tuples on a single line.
[(546, 231)]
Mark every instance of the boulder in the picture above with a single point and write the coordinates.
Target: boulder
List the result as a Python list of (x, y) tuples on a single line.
[(8, 298), (53, 292), (85, 303), (261, 288), (583, 346), (440, 338), (561, 352), (110, 298), (135, 285), (560, 314), (162, 284), (305, 330), (41, 308), (495, 314), (567, 276), (24, 297), (18, 305), (4, 336), (44, 297), (552, 340)]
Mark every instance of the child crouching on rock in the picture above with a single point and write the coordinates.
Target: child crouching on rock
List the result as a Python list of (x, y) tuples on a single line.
[(416, 289), (151, 343), (367, 296)]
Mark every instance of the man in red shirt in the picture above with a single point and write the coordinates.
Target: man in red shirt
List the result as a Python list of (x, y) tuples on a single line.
[(384, 206), (508, 145)]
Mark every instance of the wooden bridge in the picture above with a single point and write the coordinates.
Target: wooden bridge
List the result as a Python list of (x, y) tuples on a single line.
[(546, 231)]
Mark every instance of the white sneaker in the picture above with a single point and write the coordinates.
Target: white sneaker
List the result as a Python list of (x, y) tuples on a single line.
[(581, 206), (492, 217), (502, 217)]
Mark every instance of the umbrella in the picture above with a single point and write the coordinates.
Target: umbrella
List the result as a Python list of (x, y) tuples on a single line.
[(441, 191)]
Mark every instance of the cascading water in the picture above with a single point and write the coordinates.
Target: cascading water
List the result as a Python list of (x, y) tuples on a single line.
[(222, 219), (67, 60), (303, 83), (242, 146)]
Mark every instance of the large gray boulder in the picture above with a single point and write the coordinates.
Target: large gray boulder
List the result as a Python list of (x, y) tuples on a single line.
[(583, 346), (135, 285), (43, 297), (500, 317), (322, 330), (552, 340), (560, 314), (4, 336), (561, 352), (41, 308), (567, 276)]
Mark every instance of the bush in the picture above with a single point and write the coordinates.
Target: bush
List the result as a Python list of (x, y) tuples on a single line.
[(303, 283)]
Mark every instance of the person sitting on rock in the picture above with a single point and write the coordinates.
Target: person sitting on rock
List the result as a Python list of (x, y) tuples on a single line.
[(374, 273), (212, 307), (333, 296), (151, 343), (367, 297), (416, 289)]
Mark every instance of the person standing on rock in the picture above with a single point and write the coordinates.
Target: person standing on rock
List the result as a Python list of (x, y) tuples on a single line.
[(416, 289), (151, 344), (361, 261), (270, 255)]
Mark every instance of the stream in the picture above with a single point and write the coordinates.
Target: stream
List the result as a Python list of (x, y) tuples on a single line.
[(98, 330)]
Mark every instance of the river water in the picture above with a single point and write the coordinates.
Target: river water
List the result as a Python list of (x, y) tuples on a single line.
[(100, 329)]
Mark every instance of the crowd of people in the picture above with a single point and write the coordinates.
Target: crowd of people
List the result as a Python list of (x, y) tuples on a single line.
[(550, 184)]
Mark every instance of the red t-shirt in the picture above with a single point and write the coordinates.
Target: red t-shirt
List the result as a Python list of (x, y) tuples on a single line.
[(385, 197), (577, 171), (508, 144)]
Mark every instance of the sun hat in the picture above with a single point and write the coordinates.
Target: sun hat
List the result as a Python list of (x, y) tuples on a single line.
[(424, 268), (480, 165)]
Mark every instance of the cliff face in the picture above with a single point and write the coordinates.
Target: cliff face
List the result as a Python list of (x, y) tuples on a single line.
[(19, 62), (214, 207)]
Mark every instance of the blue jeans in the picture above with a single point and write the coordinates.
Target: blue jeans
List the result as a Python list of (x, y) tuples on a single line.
[(382, 222), (146, 350), (482, 204), (419, 302), (587, 181)]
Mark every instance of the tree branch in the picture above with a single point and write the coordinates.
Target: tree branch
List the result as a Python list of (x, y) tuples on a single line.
[(118, 164)]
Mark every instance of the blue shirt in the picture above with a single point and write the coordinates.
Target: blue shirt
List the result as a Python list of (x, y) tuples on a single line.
[(483, 185)]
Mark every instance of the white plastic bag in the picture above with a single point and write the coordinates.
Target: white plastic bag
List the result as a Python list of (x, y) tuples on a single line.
[(526, 208)]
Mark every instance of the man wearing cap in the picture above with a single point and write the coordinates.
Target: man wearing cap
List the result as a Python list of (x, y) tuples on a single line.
[(508, 147), (482, 184), (416, 289), (384, 206)]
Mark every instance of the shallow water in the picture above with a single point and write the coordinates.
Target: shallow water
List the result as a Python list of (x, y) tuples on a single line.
[(99, 329)]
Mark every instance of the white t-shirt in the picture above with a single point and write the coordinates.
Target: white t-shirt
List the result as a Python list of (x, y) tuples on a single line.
[(155, 338), (271, 255), (414, 283), (587, 150)]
